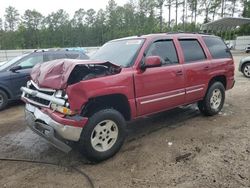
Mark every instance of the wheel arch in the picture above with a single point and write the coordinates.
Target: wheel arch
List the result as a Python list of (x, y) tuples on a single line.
[(9, 95), (243, 64), (218, 78), (117, 101)]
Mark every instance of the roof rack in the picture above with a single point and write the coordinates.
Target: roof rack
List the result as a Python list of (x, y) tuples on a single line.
[(187, 32), (41, 50)]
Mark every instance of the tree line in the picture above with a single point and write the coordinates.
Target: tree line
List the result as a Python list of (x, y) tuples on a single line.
[(93, 28)]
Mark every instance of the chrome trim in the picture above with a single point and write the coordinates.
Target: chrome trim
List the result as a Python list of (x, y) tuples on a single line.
[(162, 98), (41, 89), (194, 90), (42, 96), (65, 131), (35, 103)]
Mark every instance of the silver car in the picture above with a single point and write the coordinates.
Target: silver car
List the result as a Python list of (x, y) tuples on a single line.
[(244, 66)]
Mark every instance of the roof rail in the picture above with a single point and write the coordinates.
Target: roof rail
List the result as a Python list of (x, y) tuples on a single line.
[(40, 50), (188, 32)]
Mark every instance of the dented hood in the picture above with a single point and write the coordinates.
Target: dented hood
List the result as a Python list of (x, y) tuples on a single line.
[(55, 74)]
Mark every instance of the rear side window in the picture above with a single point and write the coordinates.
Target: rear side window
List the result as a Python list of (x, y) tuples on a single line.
[(58, 56), (164, 49), (72, 55), (217, 47), (192, 50), (53, 56)]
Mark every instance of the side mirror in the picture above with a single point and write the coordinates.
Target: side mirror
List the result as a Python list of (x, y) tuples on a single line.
[(15, 68), (151, 61)]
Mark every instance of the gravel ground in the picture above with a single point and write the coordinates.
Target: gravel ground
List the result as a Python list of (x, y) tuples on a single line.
[(178, 148)]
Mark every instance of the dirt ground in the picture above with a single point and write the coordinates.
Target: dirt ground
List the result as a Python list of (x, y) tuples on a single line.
[(179, 148)]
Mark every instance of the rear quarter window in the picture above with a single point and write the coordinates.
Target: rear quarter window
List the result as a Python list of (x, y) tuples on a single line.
[(72, 55), (217, 47)]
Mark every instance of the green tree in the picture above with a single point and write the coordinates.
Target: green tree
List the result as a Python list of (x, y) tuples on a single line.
[(32, 19), (193, 6), (1, 24), (11, 18), (90, 17), (78, 19), (159, 5)]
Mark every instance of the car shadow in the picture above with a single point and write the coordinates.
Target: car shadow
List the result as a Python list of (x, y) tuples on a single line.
[(167, 119)]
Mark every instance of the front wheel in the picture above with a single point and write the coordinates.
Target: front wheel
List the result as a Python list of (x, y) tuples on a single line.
[(246, 70), (214, 100), (103, 135), (3, 100)]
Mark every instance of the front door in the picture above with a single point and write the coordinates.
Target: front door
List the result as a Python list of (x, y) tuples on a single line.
[(160, 88)]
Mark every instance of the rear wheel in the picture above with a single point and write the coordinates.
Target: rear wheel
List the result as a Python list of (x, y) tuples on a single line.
[(3, 99), (103, 135), (214, 100), (246, 70)]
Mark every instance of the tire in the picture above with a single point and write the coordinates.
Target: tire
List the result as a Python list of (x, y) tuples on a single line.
[(103, 135), (3, 100), (214, 100), (246, 70)]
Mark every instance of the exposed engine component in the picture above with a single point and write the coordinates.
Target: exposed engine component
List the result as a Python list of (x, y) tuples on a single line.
[(86, 72)]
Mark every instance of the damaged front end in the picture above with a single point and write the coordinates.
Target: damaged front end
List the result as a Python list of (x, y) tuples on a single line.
[(58, 74), (48, 107)]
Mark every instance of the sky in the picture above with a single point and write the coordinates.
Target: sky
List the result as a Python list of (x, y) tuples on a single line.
[(47, 6)]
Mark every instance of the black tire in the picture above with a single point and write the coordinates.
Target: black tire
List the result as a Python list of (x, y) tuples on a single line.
[(246, 74), (3, 100), (205, 105), (85, 145)]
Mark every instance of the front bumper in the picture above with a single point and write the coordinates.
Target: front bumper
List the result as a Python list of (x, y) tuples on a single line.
[(46, 127)]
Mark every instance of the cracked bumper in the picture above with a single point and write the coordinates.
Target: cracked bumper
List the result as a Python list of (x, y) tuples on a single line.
[(48, 128)]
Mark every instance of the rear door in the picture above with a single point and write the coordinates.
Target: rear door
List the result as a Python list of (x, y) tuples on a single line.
[(196, 67), (160, 88), (222, 60)]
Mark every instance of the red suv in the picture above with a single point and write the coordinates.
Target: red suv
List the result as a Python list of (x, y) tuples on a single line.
[(89, 101)]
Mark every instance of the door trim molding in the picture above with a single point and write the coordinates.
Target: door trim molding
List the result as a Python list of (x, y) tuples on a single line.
[(162, 98)]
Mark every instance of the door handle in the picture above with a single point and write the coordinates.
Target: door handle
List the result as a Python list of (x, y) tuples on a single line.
[(179, 73), (206, 68)]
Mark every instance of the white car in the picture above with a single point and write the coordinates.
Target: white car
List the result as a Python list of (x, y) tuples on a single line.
[(247, 49)]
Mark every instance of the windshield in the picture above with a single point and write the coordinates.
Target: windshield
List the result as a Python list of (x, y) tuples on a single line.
[(11, 62), (121, 52)]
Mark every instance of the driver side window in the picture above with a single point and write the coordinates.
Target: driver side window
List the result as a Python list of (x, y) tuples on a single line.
[(31, 61), (164, 49)]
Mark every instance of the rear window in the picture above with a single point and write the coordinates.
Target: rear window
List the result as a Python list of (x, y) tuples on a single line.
[(217, 47), (192, 50)]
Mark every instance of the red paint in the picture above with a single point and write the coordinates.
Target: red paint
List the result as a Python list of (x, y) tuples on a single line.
[(152, 61), (60, 118), (147, 91), (54, 74)]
